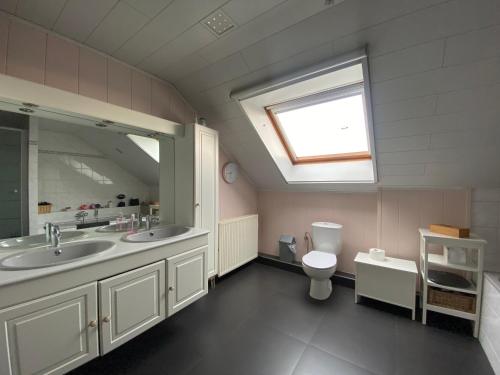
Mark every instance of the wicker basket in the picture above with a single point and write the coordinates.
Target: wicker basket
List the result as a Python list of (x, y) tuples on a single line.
[(452, 300), (44, 209)]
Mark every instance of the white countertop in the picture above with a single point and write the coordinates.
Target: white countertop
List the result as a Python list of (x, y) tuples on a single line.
[(393, 263), (120, 249)]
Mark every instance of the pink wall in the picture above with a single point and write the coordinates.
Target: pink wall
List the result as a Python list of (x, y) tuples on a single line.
[(388, 219), (31, 53), (236, 199)]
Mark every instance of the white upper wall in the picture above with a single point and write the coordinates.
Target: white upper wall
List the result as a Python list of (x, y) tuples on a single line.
[(435, 69), (435, 87)]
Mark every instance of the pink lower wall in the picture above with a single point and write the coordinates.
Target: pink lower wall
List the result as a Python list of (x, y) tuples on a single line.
[(31, 53), (388, 219), (236, 199)]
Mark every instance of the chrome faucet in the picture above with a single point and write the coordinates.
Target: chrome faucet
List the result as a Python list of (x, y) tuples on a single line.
[(56, 238), (150, 220), (48, 231)]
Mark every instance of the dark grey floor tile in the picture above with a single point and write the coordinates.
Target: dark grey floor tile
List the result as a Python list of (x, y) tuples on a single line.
[(318, 362), (258, 320), (362, 336), (164, 349), (296, 316), (428, 350), (253, 350)]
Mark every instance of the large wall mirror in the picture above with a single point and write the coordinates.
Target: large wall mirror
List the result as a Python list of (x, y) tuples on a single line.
[(67, 173)]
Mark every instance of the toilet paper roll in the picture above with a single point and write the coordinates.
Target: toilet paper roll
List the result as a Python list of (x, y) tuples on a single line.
[(377, 254)]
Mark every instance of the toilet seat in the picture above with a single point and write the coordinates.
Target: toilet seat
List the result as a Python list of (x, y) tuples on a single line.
[(319, 260)]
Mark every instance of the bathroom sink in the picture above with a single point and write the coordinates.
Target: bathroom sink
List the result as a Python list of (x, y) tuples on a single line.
[(50, 256), (37, 240), (156, 234)]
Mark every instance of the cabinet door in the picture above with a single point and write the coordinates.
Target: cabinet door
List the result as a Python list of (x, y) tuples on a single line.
[(187, 278), (206, 190), (130, 303), (53, 334)]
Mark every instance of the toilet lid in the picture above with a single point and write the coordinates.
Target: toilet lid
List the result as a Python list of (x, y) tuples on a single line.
[(319, 259)]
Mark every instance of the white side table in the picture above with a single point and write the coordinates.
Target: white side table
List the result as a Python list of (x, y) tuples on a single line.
[(392, 280)]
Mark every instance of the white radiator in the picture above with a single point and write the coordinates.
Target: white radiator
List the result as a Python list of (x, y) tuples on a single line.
[(238, 242)]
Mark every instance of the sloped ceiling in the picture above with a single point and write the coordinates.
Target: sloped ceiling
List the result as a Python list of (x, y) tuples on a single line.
[(116, 146), (435, 70)]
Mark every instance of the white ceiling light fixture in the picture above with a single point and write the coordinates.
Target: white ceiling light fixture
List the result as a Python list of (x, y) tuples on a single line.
[(218, 23)]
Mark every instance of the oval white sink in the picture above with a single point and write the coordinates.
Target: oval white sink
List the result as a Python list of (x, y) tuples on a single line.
[(50, 256), (156, 234), (37, 240)]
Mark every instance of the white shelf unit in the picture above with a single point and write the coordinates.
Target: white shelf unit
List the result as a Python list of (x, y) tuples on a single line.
[(473, 270)]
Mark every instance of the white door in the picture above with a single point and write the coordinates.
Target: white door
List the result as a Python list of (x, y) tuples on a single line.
[(206, 190), (50, 335), (187, 278), (131, 303)]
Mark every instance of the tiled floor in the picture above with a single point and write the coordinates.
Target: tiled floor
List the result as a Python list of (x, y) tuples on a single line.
[(260, 321)]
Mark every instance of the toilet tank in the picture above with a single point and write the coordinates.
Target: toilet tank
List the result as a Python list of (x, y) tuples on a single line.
[(327, 237)]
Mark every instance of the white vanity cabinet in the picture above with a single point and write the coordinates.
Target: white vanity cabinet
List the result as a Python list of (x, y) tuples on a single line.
[(130, 303), (187, 278), (196, 192), (53, 334)]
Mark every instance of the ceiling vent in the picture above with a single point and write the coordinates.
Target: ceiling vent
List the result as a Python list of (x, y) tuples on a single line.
[(218, 23)]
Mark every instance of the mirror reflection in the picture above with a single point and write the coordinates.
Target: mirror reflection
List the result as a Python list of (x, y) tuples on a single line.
[(74, 175)]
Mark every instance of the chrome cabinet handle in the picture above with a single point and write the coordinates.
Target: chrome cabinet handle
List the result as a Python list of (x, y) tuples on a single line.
[(93, 324)]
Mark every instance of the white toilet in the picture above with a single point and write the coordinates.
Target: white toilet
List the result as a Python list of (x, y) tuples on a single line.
[(320, 263)]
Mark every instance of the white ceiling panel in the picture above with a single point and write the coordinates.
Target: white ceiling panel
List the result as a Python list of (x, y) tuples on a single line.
[(43, 13), (178, 70), (179, 16), (276, 19), (79, 18), (242, 11), (215, 74), (277, 37), (116, 28), (149, 7), (190, 41)]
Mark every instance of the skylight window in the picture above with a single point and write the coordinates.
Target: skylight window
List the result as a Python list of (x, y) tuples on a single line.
[(317, 123), (150, 146), (325, 127)]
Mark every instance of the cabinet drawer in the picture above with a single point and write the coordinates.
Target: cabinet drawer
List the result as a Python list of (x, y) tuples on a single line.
[(187, 278), (131, 303), (52, 335)]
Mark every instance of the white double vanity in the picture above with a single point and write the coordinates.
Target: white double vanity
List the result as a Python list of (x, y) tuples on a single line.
[(56, 315), (56, 318)]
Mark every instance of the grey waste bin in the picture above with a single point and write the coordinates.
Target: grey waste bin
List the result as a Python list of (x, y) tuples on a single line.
[(287, 248)]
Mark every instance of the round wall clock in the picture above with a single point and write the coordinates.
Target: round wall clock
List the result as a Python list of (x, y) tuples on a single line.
[(230, 172)]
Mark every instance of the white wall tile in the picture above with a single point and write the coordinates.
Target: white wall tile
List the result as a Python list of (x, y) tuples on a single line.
[(418, 142), (410, 60), (405, 109), (485, 214), (403, 170), (472, 46), (71, 173), (479, 99), (437, 81), (486, 195)]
